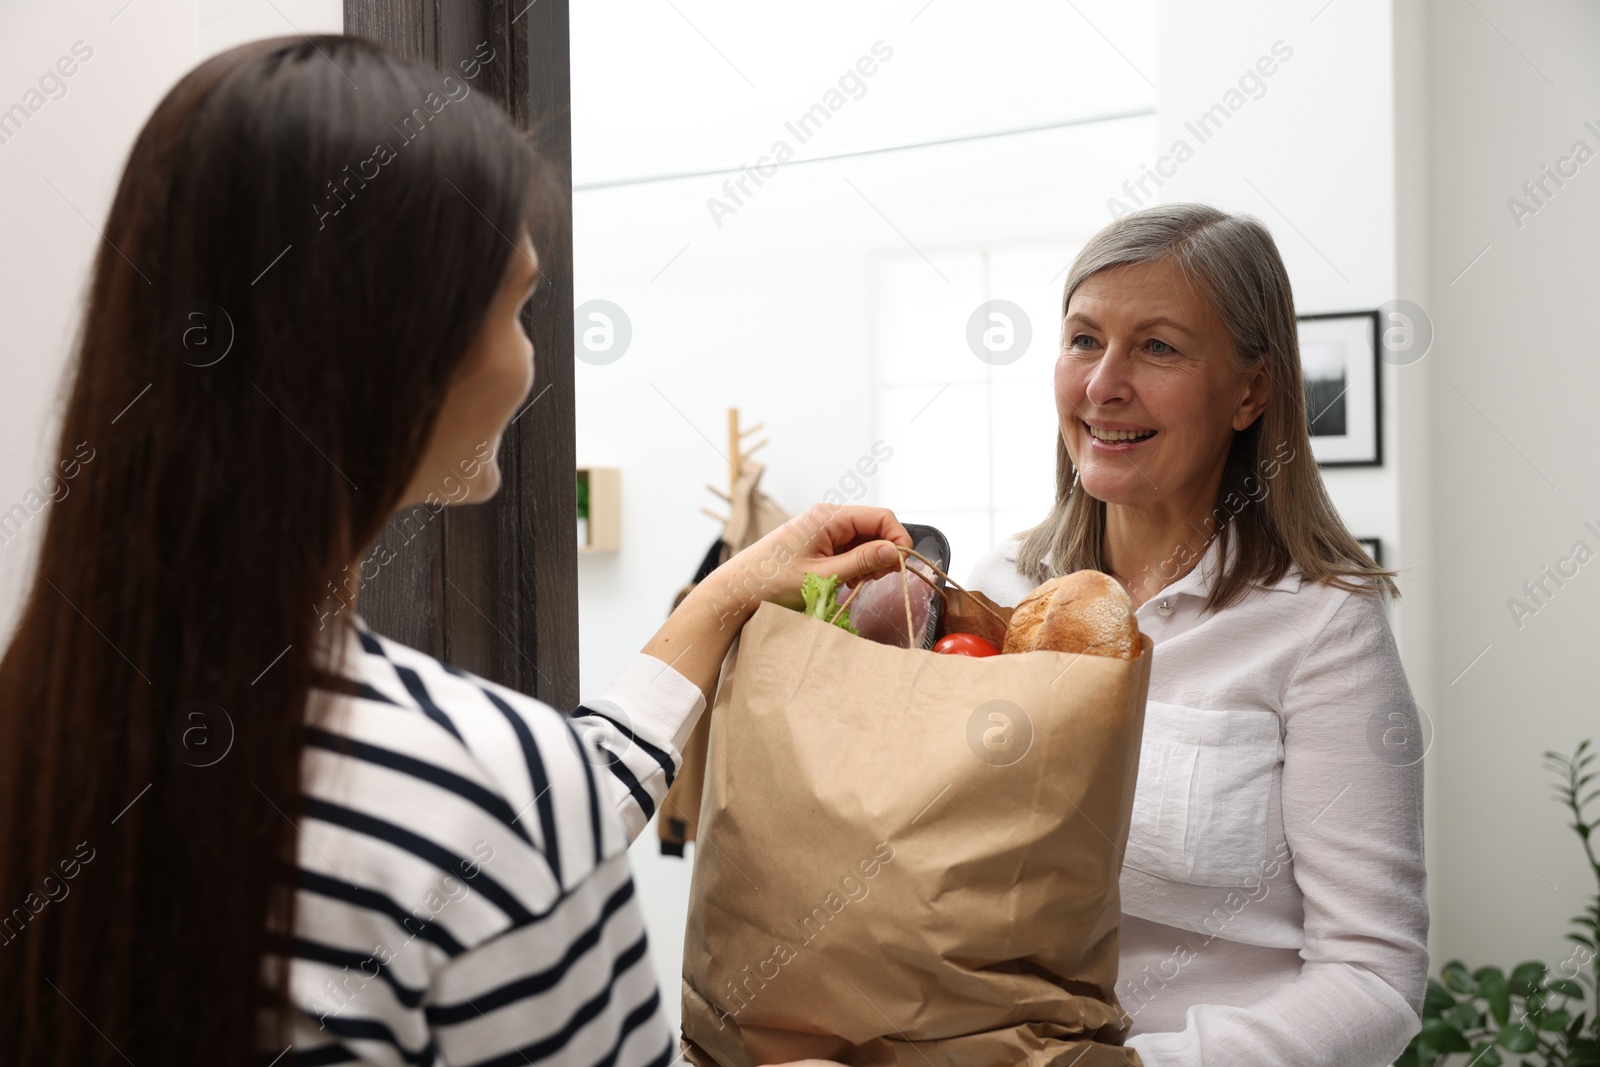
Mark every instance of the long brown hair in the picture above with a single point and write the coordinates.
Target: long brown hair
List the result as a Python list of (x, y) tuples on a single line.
[(1272, 498), (306, 238)]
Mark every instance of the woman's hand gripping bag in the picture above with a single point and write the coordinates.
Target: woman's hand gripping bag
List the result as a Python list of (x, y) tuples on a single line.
[(908, 858)]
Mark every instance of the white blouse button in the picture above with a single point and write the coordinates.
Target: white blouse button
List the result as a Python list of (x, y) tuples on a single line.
[(1164, 607)]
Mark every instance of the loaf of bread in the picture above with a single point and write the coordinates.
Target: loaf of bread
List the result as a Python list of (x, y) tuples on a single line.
[(1085, 611)]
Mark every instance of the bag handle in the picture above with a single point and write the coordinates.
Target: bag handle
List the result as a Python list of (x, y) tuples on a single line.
[(905, 587)]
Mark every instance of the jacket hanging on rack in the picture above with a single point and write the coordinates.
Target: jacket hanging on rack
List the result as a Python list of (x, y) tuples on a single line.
[(754, 516)]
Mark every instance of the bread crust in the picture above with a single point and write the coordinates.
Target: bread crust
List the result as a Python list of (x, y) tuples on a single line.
[(1086, 611)]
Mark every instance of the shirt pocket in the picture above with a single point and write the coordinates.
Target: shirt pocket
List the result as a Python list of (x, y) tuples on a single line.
[(1205, 784)]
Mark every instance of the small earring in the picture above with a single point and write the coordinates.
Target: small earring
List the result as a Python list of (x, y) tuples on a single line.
[(1074, 484)]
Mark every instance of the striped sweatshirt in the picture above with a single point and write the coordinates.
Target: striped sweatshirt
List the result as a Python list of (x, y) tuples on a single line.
[(464, 894)]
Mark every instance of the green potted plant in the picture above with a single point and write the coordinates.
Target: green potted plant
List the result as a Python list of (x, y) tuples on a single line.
[(1536, 1015), (583, 508)]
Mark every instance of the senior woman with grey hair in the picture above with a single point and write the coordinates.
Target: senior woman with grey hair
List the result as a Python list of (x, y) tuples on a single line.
[(1273, 890)]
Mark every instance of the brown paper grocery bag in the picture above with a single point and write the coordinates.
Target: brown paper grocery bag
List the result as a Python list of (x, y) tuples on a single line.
[(910, 858), (973, 613)]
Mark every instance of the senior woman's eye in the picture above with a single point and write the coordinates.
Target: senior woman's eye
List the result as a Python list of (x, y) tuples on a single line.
[(1081, 340), (1160, 347)]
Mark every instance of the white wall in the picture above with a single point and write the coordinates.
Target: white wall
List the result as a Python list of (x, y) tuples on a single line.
[(57, 177), (776, 303), (764, 309), (1509, 89), (773, 310), (1312, 153)]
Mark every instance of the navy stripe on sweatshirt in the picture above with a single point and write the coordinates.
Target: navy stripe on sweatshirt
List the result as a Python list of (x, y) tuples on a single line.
[(463, 893)]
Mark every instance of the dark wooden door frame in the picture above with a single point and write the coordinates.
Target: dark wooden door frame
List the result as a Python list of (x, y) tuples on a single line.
[(493, 588)]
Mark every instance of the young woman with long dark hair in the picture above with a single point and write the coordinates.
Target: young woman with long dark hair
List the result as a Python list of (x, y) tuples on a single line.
[(306, 317)]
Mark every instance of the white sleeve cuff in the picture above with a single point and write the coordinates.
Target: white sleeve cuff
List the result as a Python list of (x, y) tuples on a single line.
[(662, 705)]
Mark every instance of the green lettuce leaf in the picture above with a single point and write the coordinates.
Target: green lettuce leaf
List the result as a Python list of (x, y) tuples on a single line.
[(822, 601)]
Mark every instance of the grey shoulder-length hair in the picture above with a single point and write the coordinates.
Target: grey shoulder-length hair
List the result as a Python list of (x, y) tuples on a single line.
[(1271, 497)]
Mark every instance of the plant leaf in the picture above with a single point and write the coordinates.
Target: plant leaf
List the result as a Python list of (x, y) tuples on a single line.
[(1464, 1016), (1492, 987), (1437, 1000), (1517, 1038), (1526, 977), (1441, 1035), (1555, 1020), (1484, 1055), (1566, 987), (1456, 978), (1585, 1053)]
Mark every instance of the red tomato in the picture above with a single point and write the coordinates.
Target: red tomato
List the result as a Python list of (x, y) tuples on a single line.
[(965, 645)]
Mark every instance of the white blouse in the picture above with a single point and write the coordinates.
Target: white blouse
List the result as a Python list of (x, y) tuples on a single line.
[(1273, 892)]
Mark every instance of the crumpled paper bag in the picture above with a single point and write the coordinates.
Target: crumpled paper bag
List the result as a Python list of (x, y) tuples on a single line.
[(908, 858)]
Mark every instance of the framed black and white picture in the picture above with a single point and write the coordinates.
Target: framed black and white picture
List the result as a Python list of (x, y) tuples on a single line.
[(1373, 547), (1339, 360)]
